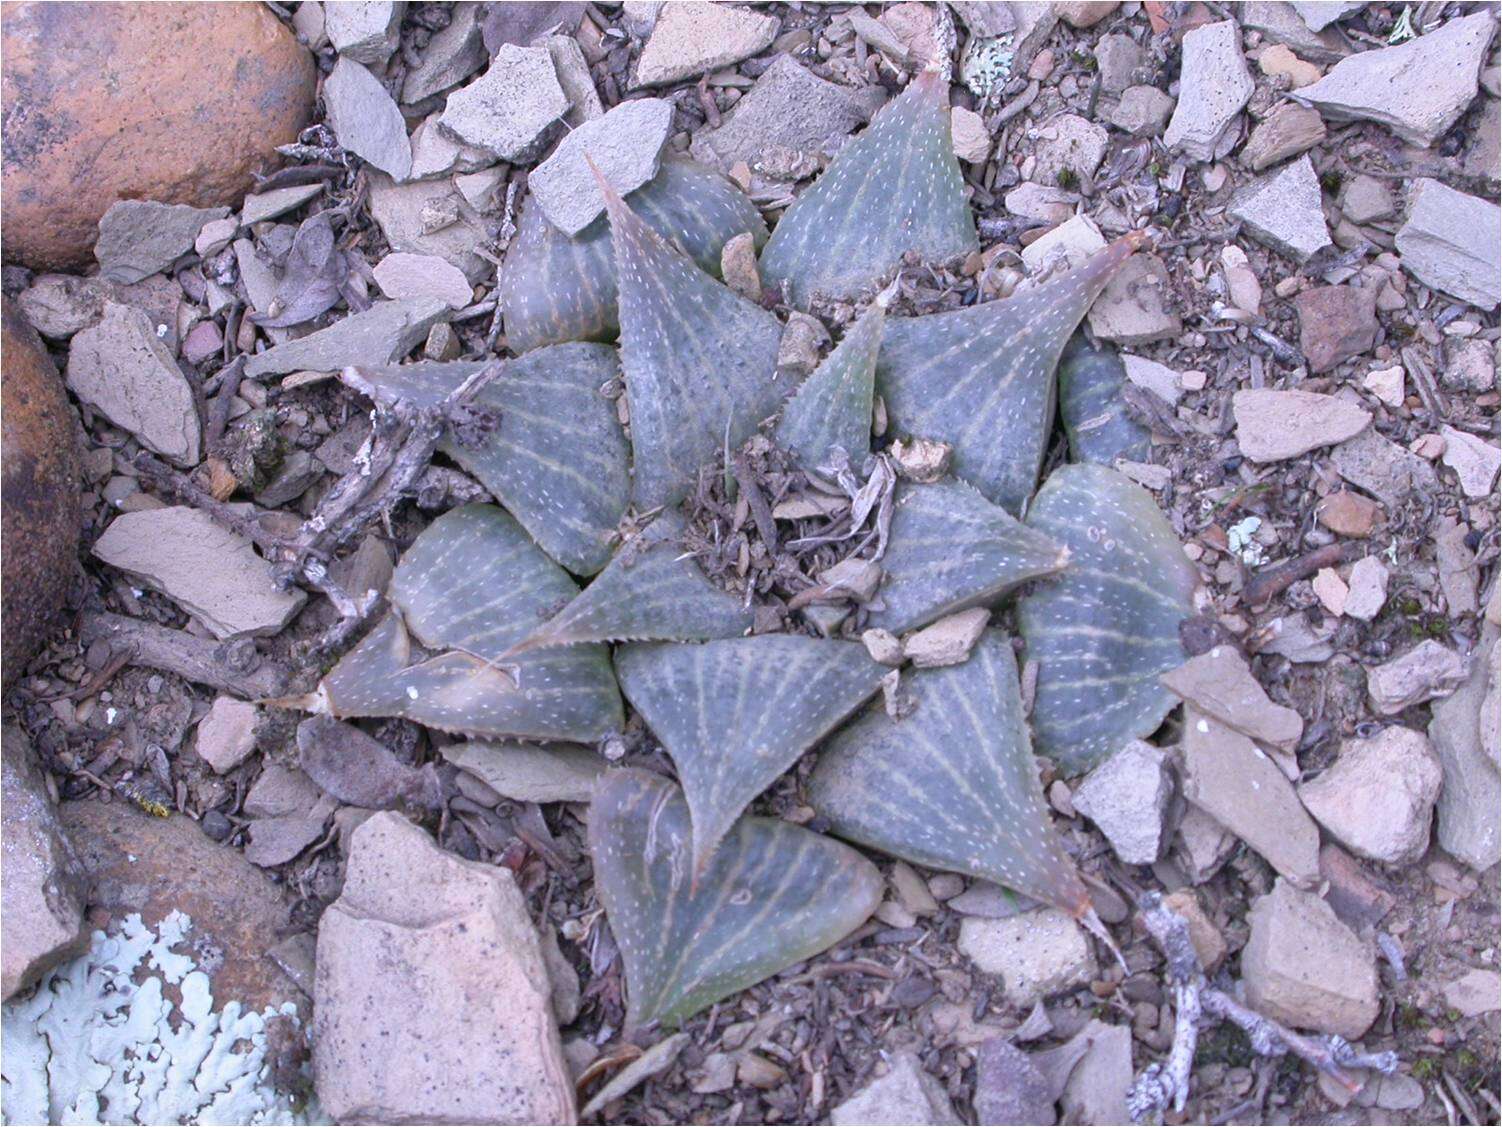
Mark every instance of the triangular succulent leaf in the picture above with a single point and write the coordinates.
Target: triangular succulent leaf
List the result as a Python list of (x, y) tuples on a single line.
[(1092, 408), (832, 408), (773, 896)]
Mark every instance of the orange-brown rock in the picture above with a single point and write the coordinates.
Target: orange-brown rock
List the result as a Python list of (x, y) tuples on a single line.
[(39, 508), (176, 102)]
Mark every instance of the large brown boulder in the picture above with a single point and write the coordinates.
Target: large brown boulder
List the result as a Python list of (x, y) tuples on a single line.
[(176, 102), (39, 507)]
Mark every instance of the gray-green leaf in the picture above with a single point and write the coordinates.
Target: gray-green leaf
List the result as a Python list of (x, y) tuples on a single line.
[(833, 406), (1093, 409)]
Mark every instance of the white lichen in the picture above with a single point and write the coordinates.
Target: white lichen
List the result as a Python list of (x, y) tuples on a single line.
[(99, 1041)]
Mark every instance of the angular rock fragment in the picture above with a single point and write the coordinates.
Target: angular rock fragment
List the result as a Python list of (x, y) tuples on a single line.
[(365, 119), (691, 37), (530, 773), (832, 408), (1384, 469), (414, 276), (1464, 733), (1273, 426), (1135, 307), (947, 641), (767, 699), (1336, 323), (1143, 111), (1365, 198), (366, 31), (353, 768), (1009, 1087), (574, 77), (773, 894), (1067, 147), (1036, 954), (1427, 671), (1378, 797), (1368, 589), (513, 109), (227, 735), (212, 573), (1283, 211), (1128, 798), (382, 334), (433, 217), (1450, 242), (1096, 1091), (625, 145), (1219, 683), (261, 206), (904, 1094), (451, 56), (972, 141), (414, 921), (1104, 629), (1214, 84), (1474, 993), (138, 238), (1287, 131), (1092, 408), (895, 189), (59, 305)]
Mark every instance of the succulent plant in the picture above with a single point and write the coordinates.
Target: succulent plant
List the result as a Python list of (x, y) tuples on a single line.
[(743, 532)]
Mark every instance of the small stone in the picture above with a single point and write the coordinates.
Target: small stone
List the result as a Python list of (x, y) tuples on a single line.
[(804, 336), (692, 37), (1084, 13), (1117, 58), (1142, 111), (1378, 797), (309, 23), (278, 202), (1067, 144), (904, 1094), (383, 334), (1368, 589), (365, 119), (1464, 733), (991, 901), (924, 460), (853, 578), (1234, 781), (1219, 683), (484, 1044), (1417, 89), (1008, 1086), (1287, 131), (513, 109), (404, 275), (1320, 14), (1470, 365), (1474, 460), (1209, 944), (1331, 590), (1456, 564), (1475, 993), (1336, 323), (738, 266), (911, 891), (281, 792), (294, 477), (1146, 474), (1041, 202), (1042, 66), (625, 145), (275, 841), (1242, 286), (1134, 307), (948, 641), (122, 368), (482, 191), (946, 886), (1273, 426), (972, 143), (1214, 85), (1386, 384), (205, 340), (403, 212), (883, 646), (1203, 846), (1036, 954), (1157, 378), (1127, 797), (227, 735), (435, 154), (1064, 248), (1333, 993), (1383, 468), (452, 55), (367, 568), (59, 305), (1483, 159), (1096, 1091), (1365, 198), (1279, 61), (1427, 671), (527, 773), (1451, 241), (211, 572), (214, 236), (138, 238), (573, 75), (1283, 211), (366, 31)]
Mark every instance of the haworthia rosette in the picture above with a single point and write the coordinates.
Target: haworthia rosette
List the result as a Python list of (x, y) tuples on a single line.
[(982, 379), (553, 288), (1104, 628), (557, 458), (1092, 408), (895, 188), (470, 587), (832, 408), (773, 896), (953, 785), (700, 360), (951, 549), (735, 714), (651, 591)]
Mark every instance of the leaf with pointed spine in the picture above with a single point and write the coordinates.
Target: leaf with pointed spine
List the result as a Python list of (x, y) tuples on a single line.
[(700, 360), (953, 785), (1104, 628), (1092, 407), (554, 288), (735, 714), (557, 458), (982, 379), (896, 188), (773, 896), (650, 592), (833, 406), (470, 587), (950, 549)]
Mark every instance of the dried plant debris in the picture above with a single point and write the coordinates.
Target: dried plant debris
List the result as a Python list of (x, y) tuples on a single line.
[(736, 714), (1092, 407), (951, 549), (773, 895), (554, 288), (1104, 628), (700, 360), (471, 587), (953, 785), (894, 190), (550, 448), (982, 379), (653, 591), (831, 410)]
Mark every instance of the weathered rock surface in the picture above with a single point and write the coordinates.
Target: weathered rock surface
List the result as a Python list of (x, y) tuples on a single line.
[(1427, 671), (1009, 1088), (1283, 211), (1272, 426), (1142, 111), (1066, 147), (383, 334), (1036, 954), (1336, 323), (227, 735), (1464, 733), (1135, 307), (365, 119), (1097, 1088), (364, 31), (209, 571), (904, 1094), (1417, 89), (947, 641), (417, 923), (58, 305), (513, 109), (178, 103), (403, 276), (451, 56), (1378, 797), (403, 213), (1287, 131), (1451, 241), (1128, 798), (121, 368), (1380, 466), (1219, 682), (692, 37), (1475, 460), (625, 145), (1365, 198), (43, 892), (1302, 966), (138, 238), (1214, 85)]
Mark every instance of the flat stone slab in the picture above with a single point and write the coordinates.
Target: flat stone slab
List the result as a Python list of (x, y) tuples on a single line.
[(1272, 426), (1283, 211), (513, 109), (1451, 242), (365, 118), (1036, 954), (1378, 797), (1220, 682), (138, 238), (366, 31), (383, 334), (692, 37), (423, 276), (210, 572), (1464, 734), (625, 145), (1214, 85)]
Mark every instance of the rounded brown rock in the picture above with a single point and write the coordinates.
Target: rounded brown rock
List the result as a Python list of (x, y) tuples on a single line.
[(39, 508), (175, 102)]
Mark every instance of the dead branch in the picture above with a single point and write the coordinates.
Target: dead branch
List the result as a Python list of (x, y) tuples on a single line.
[(1273, 581), (235, 667)]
